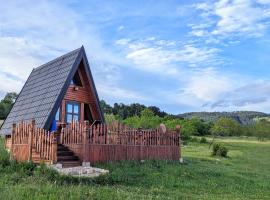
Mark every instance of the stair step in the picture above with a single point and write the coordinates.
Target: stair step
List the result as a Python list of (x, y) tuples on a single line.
[(65, 153), (66, 164), (62, 148), (67, 158)]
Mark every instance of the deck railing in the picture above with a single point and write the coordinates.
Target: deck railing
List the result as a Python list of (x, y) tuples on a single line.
[(29, 142), (101, 142), (95, 143)]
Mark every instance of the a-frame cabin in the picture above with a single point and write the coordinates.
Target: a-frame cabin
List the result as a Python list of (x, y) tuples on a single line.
[(57, 93), (57, 119)]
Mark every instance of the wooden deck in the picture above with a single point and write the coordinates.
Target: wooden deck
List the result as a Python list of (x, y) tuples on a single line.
[(94, 144), (115, 142)]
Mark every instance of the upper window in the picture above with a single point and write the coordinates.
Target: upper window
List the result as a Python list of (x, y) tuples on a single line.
[(57, 115), (72, 112), (76, 80)]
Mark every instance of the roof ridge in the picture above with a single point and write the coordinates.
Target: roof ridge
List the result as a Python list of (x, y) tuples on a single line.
[(58, 58)]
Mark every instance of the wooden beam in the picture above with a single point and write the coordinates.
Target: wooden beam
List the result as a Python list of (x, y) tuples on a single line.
[(82, 112)]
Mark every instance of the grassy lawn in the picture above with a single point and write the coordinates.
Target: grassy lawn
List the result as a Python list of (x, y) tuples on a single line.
[(244, 175)]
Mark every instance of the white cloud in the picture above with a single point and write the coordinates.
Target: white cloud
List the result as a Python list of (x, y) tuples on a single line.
[(249, 96), (117, 93), (263, 1), (165, 56), (14, 57), (122, 41), (33, 33), (8, 84), (235, 18), (120, 28), (153, 59), (207, 85)]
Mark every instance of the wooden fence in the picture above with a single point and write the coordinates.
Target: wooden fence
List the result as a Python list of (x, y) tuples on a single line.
[(114, 142), (29, 142), (96, 143)]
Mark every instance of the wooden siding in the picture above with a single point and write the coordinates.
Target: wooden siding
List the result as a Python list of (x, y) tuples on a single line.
[(83, 95)]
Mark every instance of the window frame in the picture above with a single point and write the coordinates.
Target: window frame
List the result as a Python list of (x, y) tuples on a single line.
[(72, 113)]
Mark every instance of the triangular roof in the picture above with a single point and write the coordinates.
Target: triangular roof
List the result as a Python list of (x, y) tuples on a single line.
[(44, 90)]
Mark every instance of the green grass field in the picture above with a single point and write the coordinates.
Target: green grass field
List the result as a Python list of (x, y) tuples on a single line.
[(244, 175)]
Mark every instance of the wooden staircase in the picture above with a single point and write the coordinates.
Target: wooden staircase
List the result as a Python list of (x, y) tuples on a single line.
[(66, 157), (36, 158)]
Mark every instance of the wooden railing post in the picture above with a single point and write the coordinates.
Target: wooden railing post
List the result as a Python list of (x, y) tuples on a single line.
[(85, 141), (30, 141), (54, 149), (12, 140), (178, 128)]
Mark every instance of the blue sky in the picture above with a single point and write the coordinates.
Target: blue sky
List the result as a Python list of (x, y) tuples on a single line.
[(179, 55)]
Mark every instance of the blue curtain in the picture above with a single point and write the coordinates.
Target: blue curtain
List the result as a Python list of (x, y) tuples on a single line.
[(54, 127)]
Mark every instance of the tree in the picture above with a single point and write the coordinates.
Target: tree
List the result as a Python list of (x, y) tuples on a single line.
[(262, 129), (106, 108), (226, 127), (146, 120), (6, 104)]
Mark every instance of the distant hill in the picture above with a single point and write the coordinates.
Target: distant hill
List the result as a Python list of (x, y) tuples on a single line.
[(243, 117)]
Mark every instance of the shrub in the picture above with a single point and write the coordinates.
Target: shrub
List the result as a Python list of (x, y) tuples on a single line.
[(4, 158), (215, 149), (219, 150), (184, 142), (203, 140), (193, 139), (223, 151)]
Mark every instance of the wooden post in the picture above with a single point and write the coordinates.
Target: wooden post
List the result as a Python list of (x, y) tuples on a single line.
[(30, 141), (54, 149), (82, 113), (178, 128), (85, 141), (12, 140)]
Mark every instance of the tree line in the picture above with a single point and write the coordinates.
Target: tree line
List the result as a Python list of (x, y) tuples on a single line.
[(140, 116)]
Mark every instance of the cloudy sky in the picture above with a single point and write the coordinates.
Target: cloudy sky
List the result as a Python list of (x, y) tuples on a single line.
[(179, 55)]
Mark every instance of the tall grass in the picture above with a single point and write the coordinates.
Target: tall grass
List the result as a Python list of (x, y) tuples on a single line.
[(244, 175)]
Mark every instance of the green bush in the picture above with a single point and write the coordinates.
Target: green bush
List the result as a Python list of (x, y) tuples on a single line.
[(203, 140), (4, 158), (193, 139), (219, 150), (215, 149), (223, 151)]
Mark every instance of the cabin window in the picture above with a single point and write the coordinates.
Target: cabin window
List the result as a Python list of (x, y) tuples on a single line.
[(57, 115), (76, 80), (72, 112)]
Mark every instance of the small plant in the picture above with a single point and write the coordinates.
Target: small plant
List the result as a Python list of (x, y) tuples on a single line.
[(184, 142), (4, 158), (219, 150), (223, 151), (193, 139), (203, 140), (215, 149)]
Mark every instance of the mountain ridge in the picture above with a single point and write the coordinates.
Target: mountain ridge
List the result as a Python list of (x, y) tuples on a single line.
[(243, 117)]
